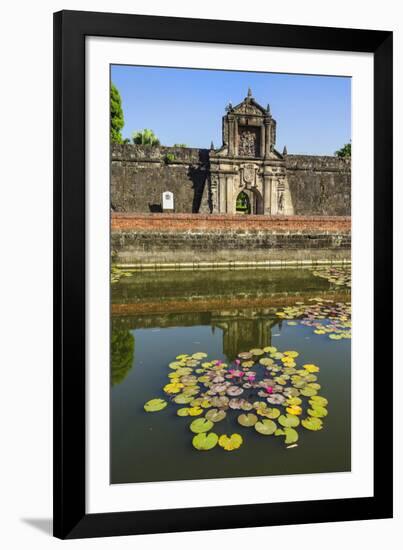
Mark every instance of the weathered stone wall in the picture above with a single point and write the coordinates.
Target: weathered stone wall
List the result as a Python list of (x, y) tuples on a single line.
[(176, 238), (319, 185), (139, 176)]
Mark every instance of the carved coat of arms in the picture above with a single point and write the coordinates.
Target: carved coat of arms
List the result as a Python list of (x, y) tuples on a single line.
[(249, 173)]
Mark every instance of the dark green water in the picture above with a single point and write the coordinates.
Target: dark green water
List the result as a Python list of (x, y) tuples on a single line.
[(159, 315)]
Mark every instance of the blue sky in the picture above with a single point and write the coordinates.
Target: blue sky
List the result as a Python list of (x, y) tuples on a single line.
[(313, 113)]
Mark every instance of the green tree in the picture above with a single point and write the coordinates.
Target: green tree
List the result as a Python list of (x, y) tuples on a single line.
[(117, 119), (179, 145), (145, 137), (345, 151)]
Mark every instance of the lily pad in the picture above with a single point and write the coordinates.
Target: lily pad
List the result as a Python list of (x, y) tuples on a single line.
[(313, 424), (270, 349), (308, 392), (294, 401), (247, 420), (195, 411), (317, 411), (322, 401), (175, 365), (291, 435), (155, 405), (266, 361), (199, 355), (288, 421), (220, 402), (245, 355), (230, 443), (236, 403), (201, 425), (256, 351), (215, 415), (311, 368), (266, 427), (173, 387), (234, 391), (183, 399), (294, 410), (205, 442), (271, 412), (276, 399)]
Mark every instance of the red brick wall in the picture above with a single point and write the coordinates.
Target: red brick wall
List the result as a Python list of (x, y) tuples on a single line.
[(216, 222)]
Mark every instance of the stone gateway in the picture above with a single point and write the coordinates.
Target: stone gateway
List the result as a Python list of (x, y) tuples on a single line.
[(246, 175)]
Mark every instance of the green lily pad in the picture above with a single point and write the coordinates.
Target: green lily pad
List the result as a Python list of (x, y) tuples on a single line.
[(205, 442), (291, 435), (266, 361), (183, 411), (201, 425), (294, 401), (215, 415), (199, 355), (308, 392), (247, 420), (289, 421), (272, 413), (256, 351), (322, 401), (155, 405), (317, 411), (182, 399), (266, 427), (313, 424)]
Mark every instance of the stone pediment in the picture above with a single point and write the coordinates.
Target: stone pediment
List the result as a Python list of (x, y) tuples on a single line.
[(249, 107)]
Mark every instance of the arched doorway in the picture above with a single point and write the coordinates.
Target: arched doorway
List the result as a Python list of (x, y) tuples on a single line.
[(249, 201), (242, 205)]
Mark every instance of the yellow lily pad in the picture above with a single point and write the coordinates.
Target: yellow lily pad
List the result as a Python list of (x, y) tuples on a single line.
[(230, 443)]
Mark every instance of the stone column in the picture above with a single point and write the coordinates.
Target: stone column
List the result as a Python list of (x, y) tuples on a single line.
[(231, 137), (223, 194), (267, 139), (273, 197), (229, 196), (236, 137), (262, 140), (267, 195), (214, 194)]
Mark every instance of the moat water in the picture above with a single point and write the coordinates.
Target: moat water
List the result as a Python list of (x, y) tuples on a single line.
[(158, 316)]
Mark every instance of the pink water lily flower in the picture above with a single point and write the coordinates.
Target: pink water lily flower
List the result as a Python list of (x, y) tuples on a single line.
[(269, 389), (237, 362), (234, 373), (251, 377)]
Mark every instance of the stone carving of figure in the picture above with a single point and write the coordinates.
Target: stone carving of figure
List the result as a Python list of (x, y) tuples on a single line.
[(280, 201), (247, 144)]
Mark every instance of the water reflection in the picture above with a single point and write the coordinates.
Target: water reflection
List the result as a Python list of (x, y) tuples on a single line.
[(163, 314)]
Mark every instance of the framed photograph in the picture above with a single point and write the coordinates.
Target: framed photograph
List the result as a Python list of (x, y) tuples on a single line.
[(223, 274)]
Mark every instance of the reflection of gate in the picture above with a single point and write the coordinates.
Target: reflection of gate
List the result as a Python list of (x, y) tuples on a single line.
[(244, 330)]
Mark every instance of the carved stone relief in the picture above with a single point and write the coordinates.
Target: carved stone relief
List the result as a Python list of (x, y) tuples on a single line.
[(248, 143)]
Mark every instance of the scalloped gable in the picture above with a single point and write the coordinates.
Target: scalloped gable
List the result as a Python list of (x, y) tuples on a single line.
[(249, 107)]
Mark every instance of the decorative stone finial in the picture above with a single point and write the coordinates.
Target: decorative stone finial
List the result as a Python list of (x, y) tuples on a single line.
[(285, 151), (268, 109), (228, 108), (249, 92), (212, 145)]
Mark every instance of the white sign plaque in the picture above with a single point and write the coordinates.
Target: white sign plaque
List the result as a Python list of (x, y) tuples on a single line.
[(167, 200)]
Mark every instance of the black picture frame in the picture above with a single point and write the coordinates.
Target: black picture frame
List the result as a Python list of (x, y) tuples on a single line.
[(70, 30)]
